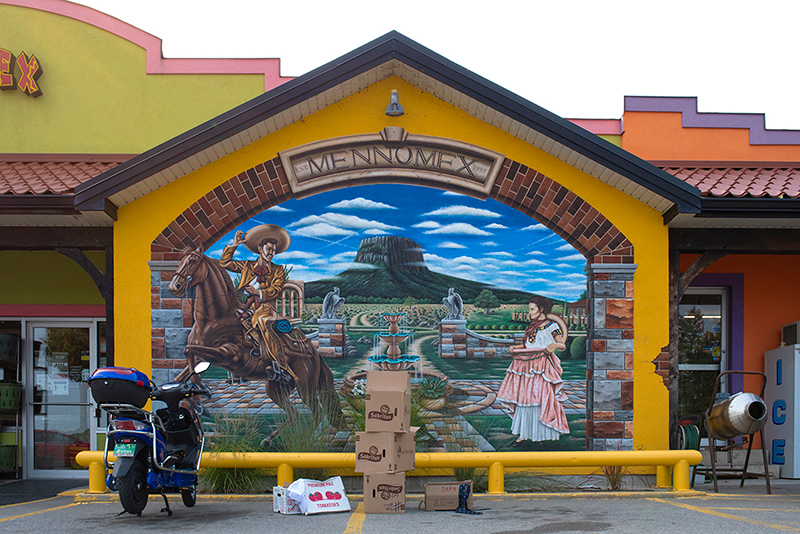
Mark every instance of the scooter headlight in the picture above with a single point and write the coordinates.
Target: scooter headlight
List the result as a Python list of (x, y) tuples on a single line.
[(129, 424)]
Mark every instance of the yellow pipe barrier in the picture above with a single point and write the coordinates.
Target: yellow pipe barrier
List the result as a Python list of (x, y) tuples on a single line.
[(496, 462)]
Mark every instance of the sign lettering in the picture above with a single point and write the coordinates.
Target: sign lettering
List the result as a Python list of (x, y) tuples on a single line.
[(391, 153), (20, 72)]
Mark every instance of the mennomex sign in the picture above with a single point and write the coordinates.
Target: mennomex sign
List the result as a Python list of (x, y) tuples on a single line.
[(20, 72), (391, 152)]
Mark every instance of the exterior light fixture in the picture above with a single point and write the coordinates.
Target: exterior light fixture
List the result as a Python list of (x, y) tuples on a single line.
[(394, 109)]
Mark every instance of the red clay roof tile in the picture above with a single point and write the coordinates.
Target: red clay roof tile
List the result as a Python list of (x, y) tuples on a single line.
[(754, 182)]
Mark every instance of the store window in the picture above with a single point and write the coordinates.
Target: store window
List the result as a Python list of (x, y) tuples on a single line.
[(702, 347)]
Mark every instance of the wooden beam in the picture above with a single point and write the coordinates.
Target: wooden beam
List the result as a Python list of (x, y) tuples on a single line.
[(52, 237), (678, 283), (736, 240), (97, 276)]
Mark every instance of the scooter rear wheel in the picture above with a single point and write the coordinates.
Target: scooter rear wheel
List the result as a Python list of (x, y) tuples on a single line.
[(133, 489), (189, 496)]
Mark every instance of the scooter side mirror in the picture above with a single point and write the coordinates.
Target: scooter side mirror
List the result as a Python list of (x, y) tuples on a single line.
[(201, 367)]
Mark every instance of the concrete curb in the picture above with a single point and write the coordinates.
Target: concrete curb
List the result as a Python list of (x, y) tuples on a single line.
[(83, 496)]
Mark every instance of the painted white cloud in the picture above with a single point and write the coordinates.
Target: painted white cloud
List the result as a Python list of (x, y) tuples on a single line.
[(299, 255), (466, 259), (361, 203), (536, 253), (538, 226), (343, 257), (376, 231), (512, 263), (427, 224), (458, 229), (323, 230), (434, 257), (490, 244), (279, 209), (463, 211), (500, 254), (575, 276), (495, 226), (342, 221), (573, 257), (565, 248), (450, 244)]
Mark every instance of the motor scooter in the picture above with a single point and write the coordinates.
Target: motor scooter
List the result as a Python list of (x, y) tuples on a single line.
[(157, 452)]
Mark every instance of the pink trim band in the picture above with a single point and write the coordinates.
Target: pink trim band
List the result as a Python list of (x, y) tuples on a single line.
[(156, 63), (52, 310)]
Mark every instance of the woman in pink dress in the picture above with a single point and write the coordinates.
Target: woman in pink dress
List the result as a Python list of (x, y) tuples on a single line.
[(532, 387)]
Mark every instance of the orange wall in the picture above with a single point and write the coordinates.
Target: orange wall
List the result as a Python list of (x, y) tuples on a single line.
[(771, 300), (655, 136)]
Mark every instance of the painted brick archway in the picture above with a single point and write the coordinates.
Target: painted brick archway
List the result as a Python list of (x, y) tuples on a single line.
[(610, 270)]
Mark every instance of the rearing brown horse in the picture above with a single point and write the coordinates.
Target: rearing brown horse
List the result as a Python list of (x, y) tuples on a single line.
[(218, 337)]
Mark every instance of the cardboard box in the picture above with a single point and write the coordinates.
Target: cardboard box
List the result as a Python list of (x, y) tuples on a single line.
[(282, 503), (388, 401), (384, 493), (444, 495), (385, 452)]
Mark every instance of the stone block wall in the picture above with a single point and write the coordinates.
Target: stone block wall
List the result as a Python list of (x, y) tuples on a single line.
[(609, 357), (171, 322), (455, 341), (332, 337)]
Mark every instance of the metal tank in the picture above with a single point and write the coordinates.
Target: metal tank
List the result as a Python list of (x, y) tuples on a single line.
[(738, 415)]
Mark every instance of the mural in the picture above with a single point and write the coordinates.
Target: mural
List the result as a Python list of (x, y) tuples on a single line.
[(482, 304)]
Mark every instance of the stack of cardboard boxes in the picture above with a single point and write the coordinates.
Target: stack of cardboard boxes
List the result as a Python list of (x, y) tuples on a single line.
[(386, 450)]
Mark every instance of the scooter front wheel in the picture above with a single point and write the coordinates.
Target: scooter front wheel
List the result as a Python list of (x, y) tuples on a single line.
[(189, 496), (133, 489)]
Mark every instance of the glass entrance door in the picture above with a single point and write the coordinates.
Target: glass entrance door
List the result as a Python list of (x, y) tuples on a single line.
[(59, 421), (703, 334)]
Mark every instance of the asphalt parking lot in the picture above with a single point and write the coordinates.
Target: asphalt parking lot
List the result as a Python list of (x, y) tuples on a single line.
[(733, 509)]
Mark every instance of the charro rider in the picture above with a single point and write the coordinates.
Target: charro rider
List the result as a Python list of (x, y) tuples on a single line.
[(266, 240)]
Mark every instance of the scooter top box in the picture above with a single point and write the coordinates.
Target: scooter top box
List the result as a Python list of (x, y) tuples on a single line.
[(120, 385)]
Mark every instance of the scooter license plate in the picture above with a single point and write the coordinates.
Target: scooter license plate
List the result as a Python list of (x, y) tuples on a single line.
[(122, 450)]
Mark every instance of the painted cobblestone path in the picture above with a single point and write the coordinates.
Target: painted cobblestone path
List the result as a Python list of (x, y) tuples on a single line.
[(451, 430)]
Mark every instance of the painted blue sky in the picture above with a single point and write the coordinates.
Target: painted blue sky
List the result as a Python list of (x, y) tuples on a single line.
[(460, 236)]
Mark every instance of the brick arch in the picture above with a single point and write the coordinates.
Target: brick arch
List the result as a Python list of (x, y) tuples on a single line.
[(517, 186), (610, 270)]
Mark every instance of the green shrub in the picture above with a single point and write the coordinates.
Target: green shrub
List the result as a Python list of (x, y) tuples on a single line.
[(234, 433)]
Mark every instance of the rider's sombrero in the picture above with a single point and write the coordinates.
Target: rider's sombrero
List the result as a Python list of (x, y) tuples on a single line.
[(256, 235)]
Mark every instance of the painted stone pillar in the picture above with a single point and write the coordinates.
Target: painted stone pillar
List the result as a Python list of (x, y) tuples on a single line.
[(453, 338), (609, 357), (332, 337)]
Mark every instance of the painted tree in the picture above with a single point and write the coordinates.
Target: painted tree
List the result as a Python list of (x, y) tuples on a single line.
[(486, 300)]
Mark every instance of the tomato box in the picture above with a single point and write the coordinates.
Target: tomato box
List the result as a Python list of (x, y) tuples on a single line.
[(316, 497), (282, 503)]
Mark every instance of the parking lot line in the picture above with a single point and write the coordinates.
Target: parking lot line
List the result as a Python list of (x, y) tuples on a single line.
[(39, 512), (356, 522), (27, 502), (726, 516)]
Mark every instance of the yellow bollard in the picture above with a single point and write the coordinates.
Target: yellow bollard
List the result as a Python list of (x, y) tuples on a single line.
[(285, 474), (97, 478), (663, 476), (496, 479), (680, 476)]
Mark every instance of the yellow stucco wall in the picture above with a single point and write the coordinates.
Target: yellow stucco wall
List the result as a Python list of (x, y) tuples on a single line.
[(140, 222), (97, 97), (47, 277)]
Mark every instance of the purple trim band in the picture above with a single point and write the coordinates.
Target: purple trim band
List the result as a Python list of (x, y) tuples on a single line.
[(690, 118)]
